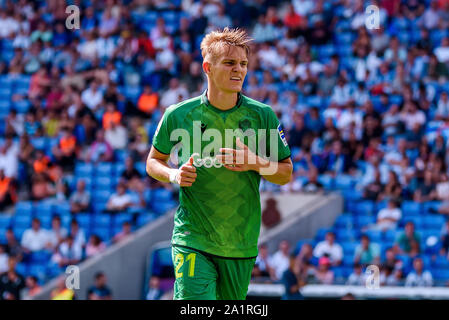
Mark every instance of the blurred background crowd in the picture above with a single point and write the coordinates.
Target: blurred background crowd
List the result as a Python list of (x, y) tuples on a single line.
[(366, 112)]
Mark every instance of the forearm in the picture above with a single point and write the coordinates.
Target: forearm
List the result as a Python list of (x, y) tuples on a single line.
[(274, 172), (158, 169)]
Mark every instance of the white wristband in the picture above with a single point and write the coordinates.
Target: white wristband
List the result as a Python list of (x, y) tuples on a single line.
[(173, 175)]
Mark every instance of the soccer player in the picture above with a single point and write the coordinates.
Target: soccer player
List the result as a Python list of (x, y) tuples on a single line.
[(217, 224)]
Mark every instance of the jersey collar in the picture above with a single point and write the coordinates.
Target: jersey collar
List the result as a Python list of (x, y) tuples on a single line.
[(205, 100)]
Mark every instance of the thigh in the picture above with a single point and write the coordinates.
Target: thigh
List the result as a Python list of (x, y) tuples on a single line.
[(195, 275), (234, 276)]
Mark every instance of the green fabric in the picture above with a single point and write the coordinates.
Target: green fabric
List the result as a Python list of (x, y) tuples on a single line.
[(404, 242), (367, 256), (200, 276), (220, 213)]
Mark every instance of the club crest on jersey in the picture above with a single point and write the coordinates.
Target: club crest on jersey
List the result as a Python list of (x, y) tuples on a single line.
[(282, 135), (244, 124)]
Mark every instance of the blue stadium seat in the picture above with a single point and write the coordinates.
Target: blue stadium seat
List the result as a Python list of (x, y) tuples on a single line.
[(22, 269), (349, 248), (66, 218), (346, 235), (162, 207), (344, 221), (84, 169), (103, 183), (389, 236), (19, 230), (24, 208), (103, 232), (441, 262), (103, 169), (338, 272), (84, 220), (22, 221), (22, 106), (101, 221), (364, 220), (321, 233), (5, 105), (62, 208), (39, 143), (431, 204), (98, 207), (3, 239), (365, 208), (39, 271), (45, 221), (5, 221), (120, 218), (416, 220), (344, 38), (380, 205), (161, 195), (119, 167), (440, 274), (141, 167), (143, 219), (327, 181), (433, 222), (100, 196), (348, 261), (374, 235), (411, 207), (44, 208), (40, 257), (344, 182)]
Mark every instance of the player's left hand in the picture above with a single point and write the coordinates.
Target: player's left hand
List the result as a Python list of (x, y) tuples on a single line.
[(242, 159)]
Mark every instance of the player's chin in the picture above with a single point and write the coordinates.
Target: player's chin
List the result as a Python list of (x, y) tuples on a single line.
[(234, 88)]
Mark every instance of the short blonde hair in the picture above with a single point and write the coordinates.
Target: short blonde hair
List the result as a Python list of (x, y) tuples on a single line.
[(215, 41)]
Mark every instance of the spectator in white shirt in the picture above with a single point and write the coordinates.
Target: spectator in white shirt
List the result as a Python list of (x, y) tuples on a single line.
[(117, 136), (92, 96), (442, 52), (412, 116), (120, 200), (263, 267), (341, 93), (443, 107), (77, 233), (9, 158), (330, 248), (57, 233), (388, 218), (34, 239), (357, 277), (172, 95), (431, 17), (280, 261), (419, 277), (4, 257), (350, 115), (68, 253)]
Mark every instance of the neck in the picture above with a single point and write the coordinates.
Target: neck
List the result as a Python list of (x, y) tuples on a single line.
[(221, 100)]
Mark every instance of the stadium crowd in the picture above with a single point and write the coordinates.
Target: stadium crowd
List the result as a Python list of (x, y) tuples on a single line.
[(368, 104)]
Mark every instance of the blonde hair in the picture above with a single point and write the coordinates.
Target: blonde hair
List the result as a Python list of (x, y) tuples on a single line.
[(213, 43)]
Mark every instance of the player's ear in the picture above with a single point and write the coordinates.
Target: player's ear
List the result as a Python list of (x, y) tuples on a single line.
[(206, 66)]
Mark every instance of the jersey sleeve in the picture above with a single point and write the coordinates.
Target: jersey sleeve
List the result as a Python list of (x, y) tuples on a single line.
[(275, 130), (161, 138)]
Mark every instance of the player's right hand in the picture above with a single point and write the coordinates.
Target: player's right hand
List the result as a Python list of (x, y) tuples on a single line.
[(186, 174)]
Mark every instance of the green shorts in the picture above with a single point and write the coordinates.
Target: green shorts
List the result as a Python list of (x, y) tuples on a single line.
[(201, 276)]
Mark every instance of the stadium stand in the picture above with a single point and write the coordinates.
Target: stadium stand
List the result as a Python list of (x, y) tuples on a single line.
[(366, 109)]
